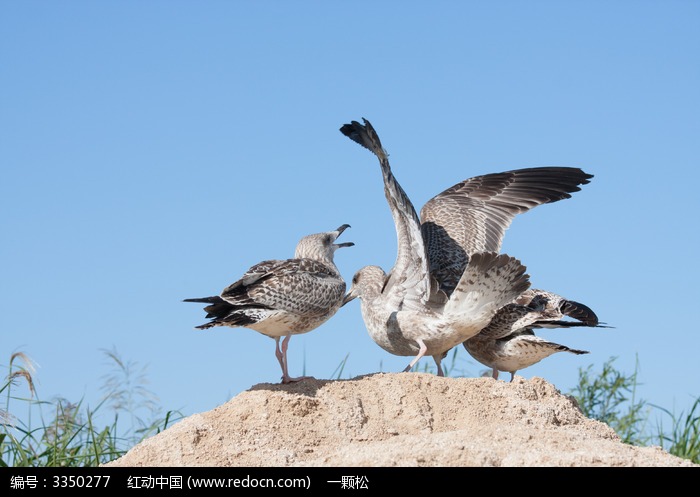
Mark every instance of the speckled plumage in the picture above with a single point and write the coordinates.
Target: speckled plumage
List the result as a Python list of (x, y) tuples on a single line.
[(281, 298), (509, 342), (555, 308), (473, 215), (468, 218), (405, 313), (419, 329)]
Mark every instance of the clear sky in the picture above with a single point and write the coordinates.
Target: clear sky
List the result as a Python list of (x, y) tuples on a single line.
[(153, 151)]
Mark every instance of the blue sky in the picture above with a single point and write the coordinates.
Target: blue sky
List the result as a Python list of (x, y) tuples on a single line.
[(153, 151)]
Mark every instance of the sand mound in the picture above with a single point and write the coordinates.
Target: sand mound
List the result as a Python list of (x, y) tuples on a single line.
[(397, 419)]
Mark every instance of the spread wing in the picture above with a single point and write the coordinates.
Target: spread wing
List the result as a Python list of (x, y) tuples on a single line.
[(473, 215)]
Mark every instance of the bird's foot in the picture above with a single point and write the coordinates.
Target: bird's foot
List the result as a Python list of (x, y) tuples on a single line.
[(290, 379)]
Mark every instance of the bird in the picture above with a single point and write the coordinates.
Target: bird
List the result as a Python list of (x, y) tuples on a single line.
[(285, 297), (404, 311), (509, 342), (403, 322), (467, 218)]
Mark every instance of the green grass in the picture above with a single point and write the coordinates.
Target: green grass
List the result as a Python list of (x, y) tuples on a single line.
[(610, 396), (684, 438), (60, 433)]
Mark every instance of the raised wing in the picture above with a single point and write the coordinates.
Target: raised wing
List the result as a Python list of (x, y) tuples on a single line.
[(473, 215), (408, 285)]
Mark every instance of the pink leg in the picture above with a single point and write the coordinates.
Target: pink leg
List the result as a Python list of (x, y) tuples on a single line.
[(495, 374), (278, 353), (283, 361), (421, 353)]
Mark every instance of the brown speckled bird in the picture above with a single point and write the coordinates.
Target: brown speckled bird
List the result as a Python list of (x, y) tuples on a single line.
[(404, 311), (436, 249), (281, 298), (509, 342)]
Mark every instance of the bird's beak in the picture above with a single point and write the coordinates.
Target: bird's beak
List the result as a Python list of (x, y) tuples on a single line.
[(339, 232), (342, 228), (348, 297)]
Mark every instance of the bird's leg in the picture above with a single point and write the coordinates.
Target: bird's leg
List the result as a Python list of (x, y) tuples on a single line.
[(279, 355), (495, 374), (512, 377), (421, 353), (283, 361), (438, 363)]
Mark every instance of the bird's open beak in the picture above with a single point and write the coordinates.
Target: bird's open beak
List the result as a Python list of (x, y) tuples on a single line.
[(340, 232)]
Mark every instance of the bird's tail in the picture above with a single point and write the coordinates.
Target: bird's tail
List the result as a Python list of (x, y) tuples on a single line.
[(217, 310), (205, 300), (564, 348)]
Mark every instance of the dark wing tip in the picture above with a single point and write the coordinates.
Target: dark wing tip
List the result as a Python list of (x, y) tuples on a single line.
[(353, 130), (364, 135), (580, 312)]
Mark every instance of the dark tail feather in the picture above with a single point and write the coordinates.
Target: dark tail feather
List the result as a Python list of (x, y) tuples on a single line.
[(575, 351), (217, 309), (564, 348), (205, 300), (206, 326)]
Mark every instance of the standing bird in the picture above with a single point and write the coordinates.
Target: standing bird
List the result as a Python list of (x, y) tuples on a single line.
[(281, 298), (509, 342), (466, 219), (405, 312)]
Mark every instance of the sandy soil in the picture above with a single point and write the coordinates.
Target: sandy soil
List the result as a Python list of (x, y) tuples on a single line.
[(395, 419)]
